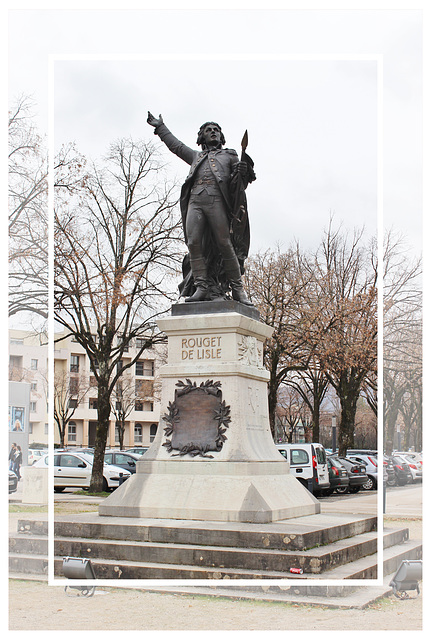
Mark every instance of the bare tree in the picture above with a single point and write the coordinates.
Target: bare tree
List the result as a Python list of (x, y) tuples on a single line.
[(113, 253), (69, 392), (28, 220), (311, 384), (292, 412), (278, 285), (123, 402), (402, 339), (345, 279)]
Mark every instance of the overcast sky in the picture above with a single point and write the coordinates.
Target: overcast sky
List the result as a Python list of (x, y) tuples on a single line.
[(304, 92)]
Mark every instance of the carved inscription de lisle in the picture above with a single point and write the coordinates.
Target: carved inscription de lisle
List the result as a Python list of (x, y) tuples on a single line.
[(197, 419), (201, 348)]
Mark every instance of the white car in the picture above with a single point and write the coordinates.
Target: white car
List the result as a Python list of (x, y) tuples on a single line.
[(415, 465), (35, 454), (75, 469), (308, 464)]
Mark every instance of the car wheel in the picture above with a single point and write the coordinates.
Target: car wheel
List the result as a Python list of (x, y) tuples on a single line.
[(342, 490), (369, 484), (105, 485), (391, 483), (59, 489)]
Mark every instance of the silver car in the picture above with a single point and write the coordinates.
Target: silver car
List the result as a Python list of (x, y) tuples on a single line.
[(370, 463)]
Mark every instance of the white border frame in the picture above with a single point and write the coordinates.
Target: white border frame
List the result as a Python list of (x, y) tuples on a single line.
[(160, 583)]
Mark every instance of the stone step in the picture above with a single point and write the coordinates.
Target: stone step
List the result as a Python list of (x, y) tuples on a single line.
[(362, 568), (301, 533), (311, 561)]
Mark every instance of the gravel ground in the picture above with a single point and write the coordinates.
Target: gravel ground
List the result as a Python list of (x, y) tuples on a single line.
[(137, 609)]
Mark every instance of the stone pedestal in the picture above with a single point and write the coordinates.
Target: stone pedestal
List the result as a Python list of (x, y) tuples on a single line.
[(213, 457)]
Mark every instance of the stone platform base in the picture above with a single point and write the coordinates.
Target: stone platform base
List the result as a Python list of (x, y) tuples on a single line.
[(258, 492)]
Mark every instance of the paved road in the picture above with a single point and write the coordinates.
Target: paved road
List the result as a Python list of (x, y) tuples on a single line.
[(401, 502)]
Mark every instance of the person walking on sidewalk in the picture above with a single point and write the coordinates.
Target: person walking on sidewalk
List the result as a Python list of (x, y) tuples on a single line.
[(17, 461), (12, 456)]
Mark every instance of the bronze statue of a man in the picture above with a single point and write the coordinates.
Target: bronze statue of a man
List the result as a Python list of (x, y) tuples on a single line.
[(214, 213)]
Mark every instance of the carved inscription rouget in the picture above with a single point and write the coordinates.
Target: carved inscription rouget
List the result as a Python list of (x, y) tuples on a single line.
[(197, 419)]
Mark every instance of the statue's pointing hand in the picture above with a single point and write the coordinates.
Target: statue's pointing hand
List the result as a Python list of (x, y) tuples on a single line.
[(154, 122)]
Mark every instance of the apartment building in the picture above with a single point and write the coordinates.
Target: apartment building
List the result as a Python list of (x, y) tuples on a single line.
[(138, 385), (28, 362)]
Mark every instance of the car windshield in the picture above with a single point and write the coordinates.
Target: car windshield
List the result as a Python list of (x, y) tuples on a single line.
[(336, 463), (88, 457)]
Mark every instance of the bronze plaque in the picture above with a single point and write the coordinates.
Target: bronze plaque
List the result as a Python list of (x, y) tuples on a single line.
[(197, 419), (197, 422)]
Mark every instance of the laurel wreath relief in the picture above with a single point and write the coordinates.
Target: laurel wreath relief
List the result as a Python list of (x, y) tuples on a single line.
[(221, 415)]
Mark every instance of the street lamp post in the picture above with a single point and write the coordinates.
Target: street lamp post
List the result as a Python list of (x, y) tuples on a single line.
[(334, 434)]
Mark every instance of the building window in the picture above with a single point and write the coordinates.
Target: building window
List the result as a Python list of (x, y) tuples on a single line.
[(30, 427), (34, 386), (73, 386), (73, 403), (71, 431), (16, 341), (153, 431), (121, 340), (117, 431), (144, 388), (33, 365), (139, 406), (32, 406), (140, 342), (46, 428), (74, 363), (92, 403), (138, 432), (144, 368)]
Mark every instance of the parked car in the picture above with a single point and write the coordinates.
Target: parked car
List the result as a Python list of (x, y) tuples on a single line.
[(35, 454), (123, 459), (356, 473), (415, 467), (370, 462), (402, 470), (75, 469), (13, 482), (139, 450), (338, 476), (413, 454), (308, 464)]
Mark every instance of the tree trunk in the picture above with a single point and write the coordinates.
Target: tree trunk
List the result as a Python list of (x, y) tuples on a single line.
[(103, 414), (316, 418), (272, 402), (348, 395)]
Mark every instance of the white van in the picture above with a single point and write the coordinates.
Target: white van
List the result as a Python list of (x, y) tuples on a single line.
[(308, 464)]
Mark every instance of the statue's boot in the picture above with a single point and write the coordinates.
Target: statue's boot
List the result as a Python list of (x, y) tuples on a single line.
[(200, 278), (233, 274)]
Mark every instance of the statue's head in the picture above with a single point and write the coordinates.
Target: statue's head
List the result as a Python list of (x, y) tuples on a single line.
[(210, 134)]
